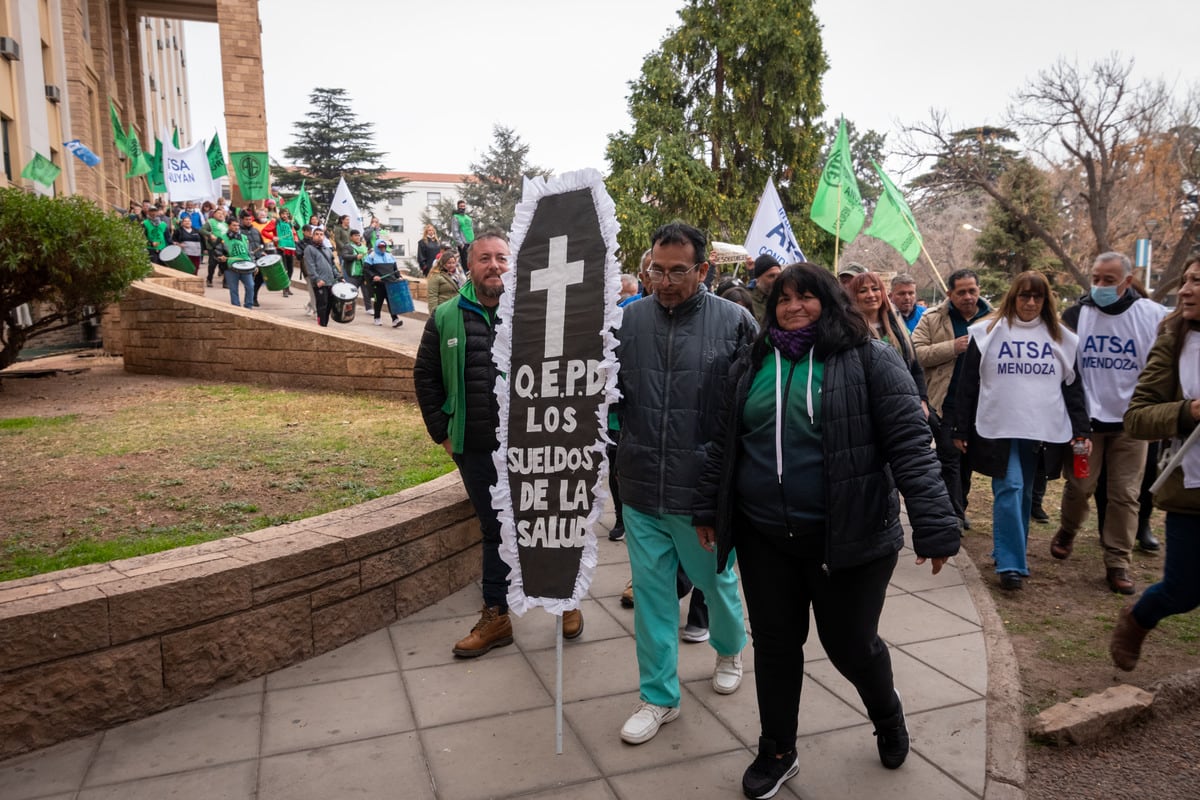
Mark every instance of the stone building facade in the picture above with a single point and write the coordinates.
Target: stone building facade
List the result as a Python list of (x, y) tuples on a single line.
[(61, 61)]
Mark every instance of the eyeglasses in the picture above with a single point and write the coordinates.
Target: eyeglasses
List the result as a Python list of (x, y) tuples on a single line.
[(673, 276), (1026, 297)]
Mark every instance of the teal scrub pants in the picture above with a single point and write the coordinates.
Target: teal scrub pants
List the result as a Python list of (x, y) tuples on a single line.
[(657, 546)]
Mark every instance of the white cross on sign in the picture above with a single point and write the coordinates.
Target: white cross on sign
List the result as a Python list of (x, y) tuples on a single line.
[(554, 280)]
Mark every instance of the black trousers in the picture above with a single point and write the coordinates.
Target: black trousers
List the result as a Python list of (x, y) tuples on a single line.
[(781, 582), (950, 458), (380, 297), (323, 294), (478, 473)]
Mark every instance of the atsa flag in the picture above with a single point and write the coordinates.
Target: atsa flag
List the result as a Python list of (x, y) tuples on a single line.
[(554, 351), (187, 174), (771, 231)]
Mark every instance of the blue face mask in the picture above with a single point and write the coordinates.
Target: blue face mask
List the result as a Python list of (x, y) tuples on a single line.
[(1104, 296)]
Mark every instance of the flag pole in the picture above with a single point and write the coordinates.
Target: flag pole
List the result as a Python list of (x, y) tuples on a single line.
[(558, 685), (932, 267), (837, 235)]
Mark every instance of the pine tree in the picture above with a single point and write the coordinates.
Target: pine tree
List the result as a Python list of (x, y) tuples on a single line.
[(731, 97), (494, 188), (330, 144)]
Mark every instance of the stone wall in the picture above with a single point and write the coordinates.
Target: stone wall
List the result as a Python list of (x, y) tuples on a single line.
[(90, 647), (177, 331)]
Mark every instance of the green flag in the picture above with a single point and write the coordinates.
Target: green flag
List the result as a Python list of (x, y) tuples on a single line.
[(216, 158), (893, 222), (41, 169), (300, 207), (253, 174), (837, 205), (139, 164), (155, 176), (119, 137)]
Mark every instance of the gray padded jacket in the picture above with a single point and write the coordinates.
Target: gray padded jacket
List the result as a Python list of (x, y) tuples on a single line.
[(674, 364)]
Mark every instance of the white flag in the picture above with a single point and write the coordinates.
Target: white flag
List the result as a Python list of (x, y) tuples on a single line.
[(186, 172), (344, 204), (771, 232)]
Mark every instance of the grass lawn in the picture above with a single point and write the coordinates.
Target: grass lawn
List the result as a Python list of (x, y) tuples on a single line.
[(195, 463)]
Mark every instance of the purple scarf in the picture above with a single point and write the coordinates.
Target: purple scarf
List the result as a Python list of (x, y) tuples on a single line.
[(793, 344)]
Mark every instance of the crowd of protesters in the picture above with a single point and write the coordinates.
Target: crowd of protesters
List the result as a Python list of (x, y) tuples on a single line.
[(829, 397), (223, 244)]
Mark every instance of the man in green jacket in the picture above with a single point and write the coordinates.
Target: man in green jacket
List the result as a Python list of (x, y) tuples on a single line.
[(454, 377), (157, 233)]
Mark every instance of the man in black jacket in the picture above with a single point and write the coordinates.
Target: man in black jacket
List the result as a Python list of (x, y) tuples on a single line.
[(675, 350), (463, 330), (1116, 328)]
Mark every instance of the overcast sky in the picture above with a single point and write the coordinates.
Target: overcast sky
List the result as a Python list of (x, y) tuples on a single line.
[(435, 77)]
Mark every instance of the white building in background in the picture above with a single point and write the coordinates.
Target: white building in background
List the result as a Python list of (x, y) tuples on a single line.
[(164, 80), (401, 214)]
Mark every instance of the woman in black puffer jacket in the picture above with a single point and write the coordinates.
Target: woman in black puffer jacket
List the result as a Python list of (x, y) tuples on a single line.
[(822, 427)]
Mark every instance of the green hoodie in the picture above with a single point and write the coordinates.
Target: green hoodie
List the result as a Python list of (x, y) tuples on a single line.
[(452, 339)]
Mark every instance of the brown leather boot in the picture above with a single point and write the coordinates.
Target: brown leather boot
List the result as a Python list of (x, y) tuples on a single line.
[(1126, 644), (1119, 580), (572, 624), (1062, 544), (494, 629)]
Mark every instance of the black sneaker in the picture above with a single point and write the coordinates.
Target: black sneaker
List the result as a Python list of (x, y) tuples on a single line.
[(763, 778), (1011, 581), (891, 737), (1039, 514), (617, 533)]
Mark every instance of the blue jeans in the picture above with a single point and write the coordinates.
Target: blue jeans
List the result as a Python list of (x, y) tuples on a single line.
[(658, 545), (1179, 590), (1012, 499), (246, 279)]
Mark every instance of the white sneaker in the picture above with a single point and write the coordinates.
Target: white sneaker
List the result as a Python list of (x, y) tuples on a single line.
[(646, 721), (694, 634), (727, 675), (378, 321)]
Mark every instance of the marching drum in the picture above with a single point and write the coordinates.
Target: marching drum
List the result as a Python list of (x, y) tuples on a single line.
[(242, 266), (342, 301), (273, 272), (173, 256), (399, 297)]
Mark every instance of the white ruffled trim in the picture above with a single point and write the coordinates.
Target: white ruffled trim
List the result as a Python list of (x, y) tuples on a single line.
[(533, 190)]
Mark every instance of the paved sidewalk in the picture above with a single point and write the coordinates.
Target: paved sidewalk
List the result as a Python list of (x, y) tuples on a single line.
[(292, 308), (395, 715)]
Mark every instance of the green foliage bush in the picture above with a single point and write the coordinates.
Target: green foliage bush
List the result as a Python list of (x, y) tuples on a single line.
[(63, 254)]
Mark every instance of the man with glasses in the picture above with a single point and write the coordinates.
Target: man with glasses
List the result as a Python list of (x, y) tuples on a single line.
[(1117, 327), (675, 348), (455, 380)]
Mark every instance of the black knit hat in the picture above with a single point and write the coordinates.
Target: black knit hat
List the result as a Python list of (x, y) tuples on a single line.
[(764, 263)]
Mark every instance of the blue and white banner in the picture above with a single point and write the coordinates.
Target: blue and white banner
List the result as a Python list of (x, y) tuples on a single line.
[(1141, 253), (555, 353), (771, 231), (186, 172), (80, 150)]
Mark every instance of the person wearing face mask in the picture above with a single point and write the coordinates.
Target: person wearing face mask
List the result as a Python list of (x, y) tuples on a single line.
[(1117, 327)]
